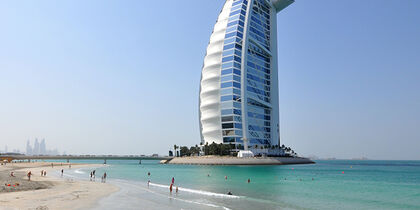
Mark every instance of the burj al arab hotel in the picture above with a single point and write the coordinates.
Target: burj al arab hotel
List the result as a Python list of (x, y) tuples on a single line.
[(239, 97)]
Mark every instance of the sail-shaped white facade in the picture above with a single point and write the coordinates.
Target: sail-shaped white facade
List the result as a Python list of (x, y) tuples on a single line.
[(239, 80)]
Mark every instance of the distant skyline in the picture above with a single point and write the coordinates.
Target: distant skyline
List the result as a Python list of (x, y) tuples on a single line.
[(122, 77)]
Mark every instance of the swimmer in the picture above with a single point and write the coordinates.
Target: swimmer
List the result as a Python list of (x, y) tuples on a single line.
[(225, 177), (148, 173), (249, 180), (229, 193)]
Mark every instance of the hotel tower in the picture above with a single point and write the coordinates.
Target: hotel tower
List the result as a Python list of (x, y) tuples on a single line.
[(239, 96)]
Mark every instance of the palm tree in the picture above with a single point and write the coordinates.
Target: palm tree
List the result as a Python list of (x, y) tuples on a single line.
[(175, 147), (197, 150)]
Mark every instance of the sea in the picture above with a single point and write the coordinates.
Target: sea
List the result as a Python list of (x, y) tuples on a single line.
[(328, 184)]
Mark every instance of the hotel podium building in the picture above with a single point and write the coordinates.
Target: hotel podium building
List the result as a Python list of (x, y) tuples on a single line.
[(239, 82)]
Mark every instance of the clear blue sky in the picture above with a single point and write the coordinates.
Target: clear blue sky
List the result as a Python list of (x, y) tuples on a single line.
[(122, 77)]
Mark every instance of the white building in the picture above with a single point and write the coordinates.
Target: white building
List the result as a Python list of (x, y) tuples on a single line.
[(239, 80)]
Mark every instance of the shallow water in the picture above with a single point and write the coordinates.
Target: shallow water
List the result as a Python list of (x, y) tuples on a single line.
[(334, 184)]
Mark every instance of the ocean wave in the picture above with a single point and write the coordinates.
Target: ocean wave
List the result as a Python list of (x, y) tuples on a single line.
[(200, 203), (77, 171), (201, 192)]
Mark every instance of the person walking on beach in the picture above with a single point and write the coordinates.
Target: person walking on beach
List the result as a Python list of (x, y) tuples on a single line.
[(29, 175), (42, 172), (176, 189), (69, 165), (45, 173), (62, 172), (91, 175), (94, 171), (104, 177), (170, 188)]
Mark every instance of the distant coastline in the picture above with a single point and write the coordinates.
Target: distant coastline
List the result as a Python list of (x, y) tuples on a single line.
[(227, 160)]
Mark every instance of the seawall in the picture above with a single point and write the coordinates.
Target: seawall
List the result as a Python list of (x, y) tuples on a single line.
[(219, 160)]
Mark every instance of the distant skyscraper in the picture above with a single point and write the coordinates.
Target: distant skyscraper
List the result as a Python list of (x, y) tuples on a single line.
[(36, 147), (42, 148), (239, 80), (28, 148)]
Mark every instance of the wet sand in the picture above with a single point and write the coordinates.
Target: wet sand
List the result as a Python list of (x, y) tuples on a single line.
[(51, 191)]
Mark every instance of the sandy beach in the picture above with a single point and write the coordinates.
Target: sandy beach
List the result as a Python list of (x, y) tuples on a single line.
[(227, 160), (51, 191)]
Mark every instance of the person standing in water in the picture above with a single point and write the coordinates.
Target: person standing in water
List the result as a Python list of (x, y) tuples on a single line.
[(249, 180), (104, 177), (173, 180)]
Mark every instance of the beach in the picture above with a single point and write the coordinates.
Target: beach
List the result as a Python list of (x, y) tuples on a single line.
[(51, 191), (228, 160)]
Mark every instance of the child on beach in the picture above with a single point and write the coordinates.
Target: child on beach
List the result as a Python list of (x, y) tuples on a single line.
[(104, 178)]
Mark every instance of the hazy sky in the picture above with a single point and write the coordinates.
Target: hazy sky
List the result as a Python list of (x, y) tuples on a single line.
[(122, 77)]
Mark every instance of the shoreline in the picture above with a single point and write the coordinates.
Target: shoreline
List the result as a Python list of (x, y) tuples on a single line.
[(225, 160), (51, 191)]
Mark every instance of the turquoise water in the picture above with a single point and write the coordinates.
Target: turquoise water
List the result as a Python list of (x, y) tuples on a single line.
[(333, 184)]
